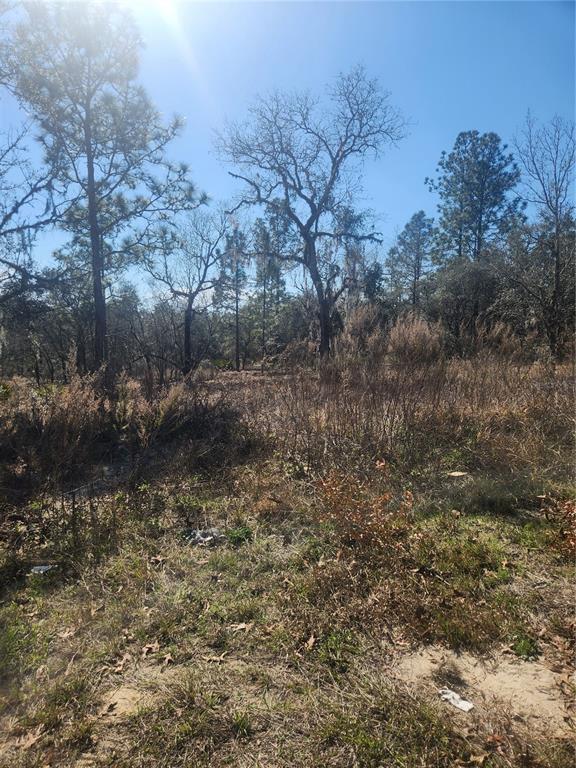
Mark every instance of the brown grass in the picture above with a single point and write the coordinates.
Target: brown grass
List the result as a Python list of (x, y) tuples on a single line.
[(348, 542)]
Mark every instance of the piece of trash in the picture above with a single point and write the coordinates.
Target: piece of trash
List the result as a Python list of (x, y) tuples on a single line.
[(457, 473), (207, 537), (457, 701), (41, 569)]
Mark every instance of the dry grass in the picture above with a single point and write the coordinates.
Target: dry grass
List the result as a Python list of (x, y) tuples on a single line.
[(51, 434), (348, 543), (271, 651)]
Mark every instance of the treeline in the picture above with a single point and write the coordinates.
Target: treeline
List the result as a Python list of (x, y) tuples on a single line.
[(154, 278)]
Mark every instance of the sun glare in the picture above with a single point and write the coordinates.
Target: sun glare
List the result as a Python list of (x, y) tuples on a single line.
[(168, 13)]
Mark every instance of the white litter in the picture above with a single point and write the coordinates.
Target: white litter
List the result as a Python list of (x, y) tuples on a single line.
[(41, 569), (457, 701)]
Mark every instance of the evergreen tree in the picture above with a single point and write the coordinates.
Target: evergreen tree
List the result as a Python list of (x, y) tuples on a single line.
[(73, 69), (409, 259), (475, 183), (232, 283), (269, 282)]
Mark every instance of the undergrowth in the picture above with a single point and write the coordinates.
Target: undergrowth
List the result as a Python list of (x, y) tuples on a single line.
[(367, 512)]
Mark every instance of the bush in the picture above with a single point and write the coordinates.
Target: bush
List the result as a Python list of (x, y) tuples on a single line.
[(371, 525), (362, 335), (52, 430), (414, 341)]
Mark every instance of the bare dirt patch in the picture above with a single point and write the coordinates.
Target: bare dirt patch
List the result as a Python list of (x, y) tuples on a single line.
[(526, 691)]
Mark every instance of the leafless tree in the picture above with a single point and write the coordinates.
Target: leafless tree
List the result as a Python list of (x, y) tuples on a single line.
[(547, 156), (301, 158), (187, 266)]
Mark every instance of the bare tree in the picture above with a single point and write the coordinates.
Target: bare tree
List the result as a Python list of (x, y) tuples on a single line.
[(187, 266), (547, 155), (301, 159)]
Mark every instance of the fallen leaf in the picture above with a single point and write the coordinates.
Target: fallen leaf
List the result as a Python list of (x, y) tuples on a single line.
[(107, 708), (119, 668), (310, 642), (495, 739), (457, 473), (29, 739), (217, 659), (70, 665), (95, 608), (150, 648), (166, 660), (66, 633), (242, 625)]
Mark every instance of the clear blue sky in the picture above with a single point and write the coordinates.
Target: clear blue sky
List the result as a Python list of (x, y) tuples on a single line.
[(450, 66)]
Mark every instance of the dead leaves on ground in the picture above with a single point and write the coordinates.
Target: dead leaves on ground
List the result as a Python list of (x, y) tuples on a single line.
[(242, 626)]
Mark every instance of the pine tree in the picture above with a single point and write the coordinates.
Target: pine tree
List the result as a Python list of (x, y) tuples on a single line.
[(73, 69), (475, 183), (232, 283), (409, 259)]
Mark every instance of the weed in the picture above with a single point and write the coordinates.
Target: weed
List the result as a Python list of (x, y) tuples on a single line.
[(336, 648), (394, 731), (242, 724), (239, 535), (20, 645), (525, 646)]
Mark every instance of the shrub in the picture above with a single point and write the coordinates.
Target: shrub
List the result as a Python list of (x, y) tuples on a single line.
[(414, 341), (362, 335), (371, 525), (52, 430)]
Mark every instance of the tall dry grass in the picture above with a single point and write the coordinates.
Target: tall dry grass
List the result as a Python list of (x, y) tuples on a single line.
[(400, 397), (55, 434)]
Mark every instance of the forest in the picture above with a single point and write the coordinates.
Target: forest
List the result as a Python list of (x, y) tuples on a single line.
[(277, 489)]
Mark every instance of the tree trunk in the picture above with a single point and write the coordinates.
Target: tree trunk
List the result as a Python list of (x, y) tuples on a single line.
[(96, 252), (237, 316), (80, 351), (187, 367), (555, 345), (324, 307), (325, 328), (263, 350)]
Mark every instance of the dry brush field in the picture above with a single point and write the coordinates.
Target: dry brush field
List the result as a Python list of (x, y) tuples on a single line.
[(382, 531)]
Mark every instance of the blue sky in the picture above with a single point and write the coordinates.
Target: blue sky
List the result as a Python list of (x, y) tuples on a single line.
[(449, 66)]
